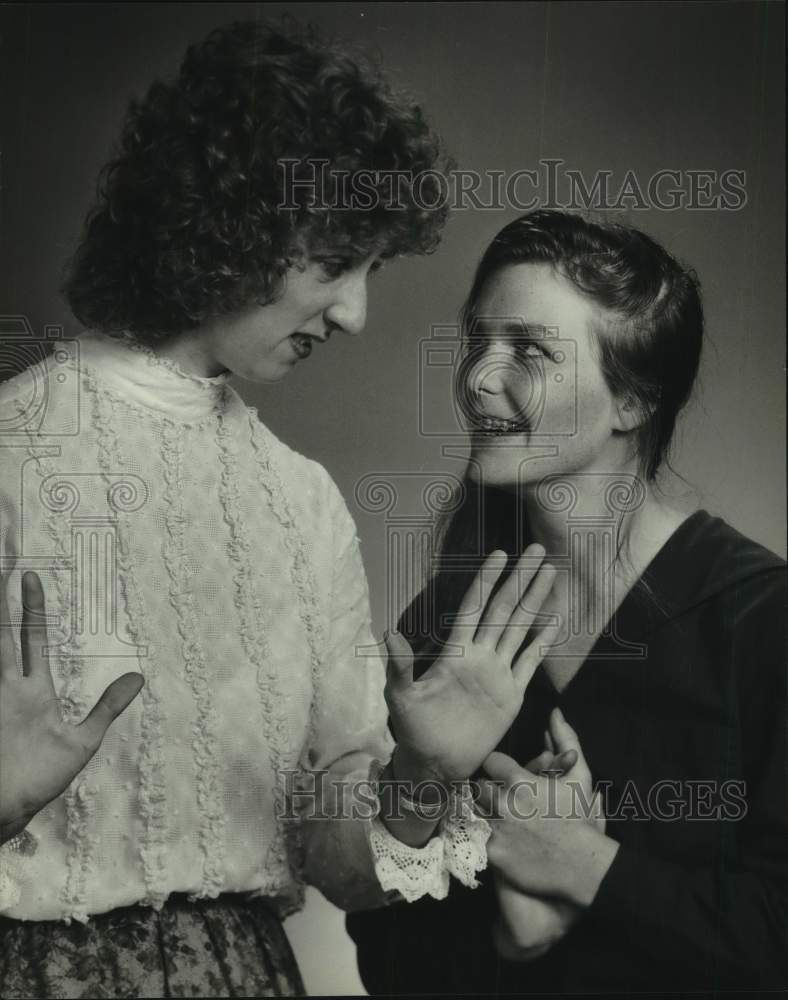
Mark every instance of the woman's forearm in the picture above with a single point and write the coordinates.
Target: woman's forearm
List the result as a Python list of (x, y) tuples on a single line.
[(593, 854)]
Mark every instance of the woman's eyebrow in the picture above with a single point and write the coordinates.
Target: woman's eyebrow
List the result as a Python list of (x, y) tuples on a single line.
[(508, 325)]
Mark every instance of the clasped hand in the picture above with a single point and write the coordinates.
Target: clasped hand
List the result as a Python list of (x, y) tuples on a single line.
[(548, 850)]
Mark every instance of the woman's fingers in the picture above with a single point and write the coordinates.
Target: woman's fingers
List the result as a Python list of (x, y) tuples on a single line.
[(501, 767), (503, 604), (474, 603), (566, 738), (8, 664), (567, 741), (564, 762), (525, 611), (115, 699), (526, 663), (487, 796), (552, 763), (538, 764), (399, 669), (35, 663)]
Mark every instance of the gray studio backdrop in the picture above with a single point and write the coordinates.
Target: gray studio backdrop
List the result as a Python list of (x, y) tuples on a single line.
[(627, 88)]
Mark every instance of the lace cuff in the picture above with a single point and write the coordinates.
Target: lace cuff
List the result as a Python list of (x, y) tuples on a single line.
[(465, 837), (412, 871), (459, 848)]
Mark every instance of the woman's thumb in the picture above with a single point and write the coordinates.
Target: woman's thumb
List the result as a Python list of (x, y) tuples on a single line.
[(399, 669), (564, 737)]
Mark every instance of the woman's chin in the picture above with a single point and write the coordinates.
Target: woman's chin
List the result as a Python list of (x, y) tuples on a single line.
[(490, 470), (267, 374)]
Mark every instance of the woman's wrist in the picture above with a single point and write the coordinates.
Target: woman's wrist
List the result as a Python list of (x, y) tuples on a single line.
[(407, 814), (416, 778), (592, 854)]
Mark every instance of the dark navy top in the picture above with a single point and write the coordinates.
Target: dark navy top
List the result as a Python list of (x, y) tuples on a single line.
[(681, 712)]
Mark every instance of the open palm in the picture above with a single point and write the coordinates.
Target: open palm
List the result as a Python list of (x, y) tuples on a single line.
[(449, 720), (40, 753)]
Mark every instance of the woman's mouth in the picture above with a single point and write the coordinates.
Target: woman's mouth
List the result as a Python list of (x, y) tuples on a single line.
[(497, 427), (301, 343)]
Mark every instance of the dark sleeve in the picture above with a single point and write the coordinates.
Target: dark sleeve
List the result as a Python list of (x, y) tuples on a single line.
[(411, 949), (727, 922)]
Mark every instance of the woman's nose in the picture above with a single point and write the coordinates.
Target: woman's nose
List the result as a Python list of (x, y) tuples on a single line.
[(489, 369), (348, 311)]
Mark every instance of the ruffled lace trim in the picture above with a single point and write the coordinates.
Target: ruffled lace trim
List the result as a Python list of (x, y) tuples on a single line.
[(152, 789), (305, 586), (412, 871), (210, 383), (204, 742), (458, 849), (156, 417), (465, 836), (252, 620), (79, 797)]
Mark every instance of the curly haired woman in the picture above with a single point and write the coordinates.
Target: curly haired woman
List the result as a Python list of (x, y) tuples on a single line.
[(152, 846)]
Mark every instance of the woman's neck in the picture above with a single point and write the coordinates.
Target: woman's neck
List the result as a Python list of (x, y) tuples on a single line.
[(192, 353), (599, 527), (600, 552)]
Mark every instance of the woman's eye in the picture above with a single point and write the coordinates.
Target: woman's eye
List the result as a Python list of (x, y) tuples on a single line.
[(334, 269), (530, 350)]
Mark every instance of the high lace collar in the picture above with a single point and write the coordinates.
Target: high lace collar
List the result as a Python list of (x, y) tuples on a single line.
[(145, 379)]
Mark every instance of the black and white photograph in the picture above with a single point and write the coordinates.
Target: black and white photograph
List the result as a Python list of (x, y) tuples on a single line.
[(393, 499)]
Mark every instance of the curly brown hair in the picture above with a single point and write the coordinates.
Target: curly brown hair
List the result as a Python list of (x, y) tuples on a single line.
[(189, 220)]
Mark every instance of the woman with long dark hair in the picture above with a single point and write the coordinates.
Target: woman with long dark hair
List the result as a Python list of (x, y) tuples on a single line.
[(660, 860)]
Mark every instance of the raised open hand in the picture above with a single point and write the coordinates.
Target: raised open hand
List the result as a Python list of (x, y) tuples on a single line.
[(40, 753), (447, 722)]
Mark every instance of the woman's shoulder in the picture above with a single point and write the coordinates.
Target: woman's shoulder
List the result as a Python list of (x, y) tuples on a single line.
[(720, 556), (42, 400), (710, 568), (308, 483)]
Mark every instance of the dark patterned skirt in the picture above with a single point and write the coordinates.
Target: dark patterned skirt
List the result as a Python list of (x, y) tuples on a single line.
[(232, 946)]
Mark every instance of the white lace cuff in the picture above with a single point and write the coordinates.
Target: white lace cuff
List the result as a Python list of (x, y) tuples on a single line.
[(465, 837), (412, 871), (459, 848)]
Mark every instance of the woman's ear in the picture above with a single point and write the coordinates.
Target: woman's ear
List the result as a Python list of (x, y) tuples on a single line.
[(630, 413)]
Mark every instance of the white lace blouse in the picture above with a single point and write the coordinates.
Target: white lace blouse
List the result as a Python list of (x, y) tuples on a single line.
[(175, 535)]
